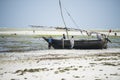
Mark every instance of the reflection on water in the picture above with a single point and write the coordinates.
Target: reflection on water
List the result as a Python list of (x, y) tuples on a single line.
[(115, 42), (28, 43), (21, 43)]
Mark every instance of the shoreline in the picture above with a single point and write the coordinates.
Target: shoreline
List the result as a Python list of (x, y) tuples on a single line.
[(59, 52)]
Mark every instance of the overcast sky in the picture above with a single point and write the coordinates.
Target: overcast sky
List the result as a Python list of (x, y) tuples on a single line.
[(86, 13)]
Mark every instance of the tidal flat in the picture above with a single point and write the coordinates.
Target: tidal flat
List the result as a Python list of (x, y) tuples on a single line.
[(61, 65)]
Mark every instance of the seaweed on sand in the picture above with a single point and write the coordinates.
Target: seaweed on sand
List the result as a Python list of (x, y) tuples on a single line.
[(110, 63), (115, 74), (65, 69), (76, 76), (105, 59), (21, 72)]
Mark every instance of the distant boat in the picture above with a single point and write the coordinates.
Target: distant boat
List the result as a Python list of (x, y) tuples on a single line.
[(78, 44)]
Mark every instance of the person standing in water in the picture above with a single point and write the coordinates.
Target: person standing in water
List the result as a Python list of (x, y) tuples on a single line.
[(72, 42), (49, 42)]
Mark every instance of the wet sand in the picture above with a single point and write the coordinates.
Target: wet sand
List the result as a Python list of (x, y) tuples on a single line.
[(61, 65)]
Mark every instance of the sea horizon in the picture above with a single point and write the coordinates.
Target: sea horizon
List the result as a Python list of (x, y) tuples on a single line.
[(48, 27)]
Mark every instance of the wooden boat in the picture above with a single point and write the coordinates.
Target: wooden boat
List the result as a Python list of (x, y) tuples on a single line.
[(78, 44)]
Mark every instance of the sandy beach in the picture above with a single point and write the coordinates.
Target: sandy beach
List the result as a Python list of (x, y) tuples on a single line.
[(24, 57), (61, 65), (47, 31)]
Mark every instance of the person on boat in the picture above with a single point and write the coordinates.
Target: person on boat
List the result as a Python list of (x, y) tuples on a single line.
[(99, 37), (49, 42), (64, 36), (72, 42)]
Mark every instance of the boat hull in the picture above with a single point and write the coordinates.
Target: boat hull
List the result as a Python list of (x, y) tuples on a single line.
[(78, 44)]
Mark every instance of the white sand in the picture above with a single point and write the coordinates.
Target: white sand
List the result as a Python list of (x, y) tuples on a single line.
[(61, 65), (50, 32)]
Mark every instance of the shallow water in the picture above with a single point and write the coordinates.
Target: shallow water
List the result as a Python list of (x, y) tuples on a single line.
[(20, 43)]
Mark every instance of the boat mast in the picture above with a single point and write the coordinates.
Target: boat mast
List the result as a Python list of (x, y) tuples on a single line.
[(63, 18)]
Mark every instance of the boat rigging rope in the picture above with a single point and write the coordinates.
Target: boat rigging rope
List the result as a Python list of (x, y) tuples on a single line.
[(73, 20), (88, 33), (81, 31), (63, 18)]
